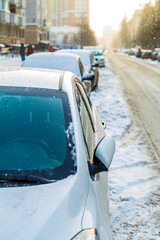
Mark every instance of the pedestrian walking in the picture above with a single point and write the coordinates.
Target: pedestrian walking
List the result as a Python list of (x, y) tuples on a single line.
[(30, 50), (22, 51)]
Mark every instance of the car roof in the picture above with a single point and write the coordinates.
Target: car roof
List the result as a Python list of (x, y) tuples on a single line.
[(34, 78), (57, 61), (53, 55)]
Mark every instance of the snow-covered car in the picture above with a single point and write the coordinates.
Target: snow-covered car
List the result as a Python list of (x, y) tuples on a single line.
[(89, 62), (55, 157), (63, 61)]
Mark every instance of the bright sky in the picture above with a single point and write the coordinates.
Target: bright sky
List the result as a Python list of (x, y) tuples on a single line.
[(111, 12)]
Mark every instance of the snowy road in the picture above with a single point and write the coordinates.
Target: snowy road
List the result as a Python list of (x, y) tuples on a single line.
[(141, 83), (134, 176)]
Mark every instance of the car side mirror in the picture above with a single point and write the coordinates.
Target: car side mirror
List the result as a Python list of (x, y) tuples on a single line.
[(89, 76), (103, 155)]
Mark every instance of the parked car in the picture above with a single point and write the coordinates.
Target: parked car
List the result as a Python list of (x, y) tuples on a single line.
[(54, 160), (98, 54), (146, 53), (155, 54), (132, 51), (89, 62), (99, 58), (158, 58), (139, 53), (63, 61)]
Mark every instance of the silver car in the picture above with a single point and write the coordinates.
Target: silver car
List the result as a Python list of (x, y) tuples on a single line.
[(54, 159), (64, 62)]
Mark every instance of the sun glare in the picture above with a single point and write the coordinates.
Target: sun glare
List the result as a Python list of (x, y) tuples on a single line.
[(111, 12)]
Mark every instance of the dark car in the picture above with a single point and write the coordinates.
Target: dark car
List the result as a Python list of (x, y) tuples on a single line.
[(146, 53), (139, 53)]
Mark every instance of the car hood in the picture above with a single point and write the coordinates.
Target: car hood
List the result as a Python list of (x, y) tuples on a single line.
[(48, 211)]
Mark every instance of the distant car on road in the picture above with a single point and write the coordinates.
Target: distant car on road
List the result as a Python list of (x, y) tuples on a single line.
[(146, 53), (132, 51), (155, 54), (98, 54), (99, 58), (54, 160), (63, 61), (139, 53), (89, 62)]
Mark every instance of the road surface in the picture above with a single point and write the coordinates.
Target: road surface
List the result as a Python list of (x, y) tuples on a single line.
[(141, 84)]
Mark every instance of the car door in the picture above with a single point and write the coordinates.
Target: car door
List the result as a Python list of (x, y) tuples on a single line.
[(93, 131)]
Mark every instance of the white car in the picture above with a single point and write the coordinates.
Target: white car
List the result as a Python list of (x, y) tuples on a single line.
[(54, 159), (63, 61), (99, 58), (98, 54)]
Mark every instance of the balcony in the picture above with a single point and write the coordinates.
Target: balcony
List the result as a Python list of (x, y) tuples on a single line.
[(4, 17), (14, 19), (21, 21)]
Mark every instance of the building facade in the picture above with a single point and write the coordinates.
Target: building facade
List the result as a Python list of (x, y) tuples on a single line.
[(12, 21), (67, 16), (69, 12), (36, 28)]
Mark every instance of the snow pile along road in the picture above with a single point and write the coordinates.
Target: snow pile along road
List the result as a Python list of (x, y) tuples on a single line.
[(134, 173)]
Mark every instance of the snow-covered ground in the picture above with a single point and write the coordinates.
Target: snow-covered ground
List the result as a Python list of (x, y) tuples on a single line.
[(134, 174), (10, 61)]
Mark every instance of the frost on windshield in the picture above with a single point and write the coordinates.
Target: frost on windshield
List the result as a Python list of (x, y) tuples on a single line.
[(71, 141)]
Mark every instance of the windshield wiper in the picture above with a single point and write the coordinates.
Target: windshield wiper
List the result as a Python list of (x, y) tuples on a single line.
[(24, 178)]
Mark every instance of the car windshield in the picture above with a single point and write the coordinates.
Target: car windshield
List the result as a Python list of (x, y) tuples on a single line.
[(97, 53), (57, 62), (35, 138)]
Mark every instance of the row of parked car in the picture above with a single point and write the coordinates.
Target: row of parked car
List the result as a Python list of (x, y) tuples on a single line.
[(145, 53), (54, 150)]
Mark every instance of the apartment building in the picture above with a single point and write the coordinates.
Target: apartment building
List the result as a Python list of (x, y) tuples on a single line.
[(69, 12), (66, 17), (12, 21), (36, 28)]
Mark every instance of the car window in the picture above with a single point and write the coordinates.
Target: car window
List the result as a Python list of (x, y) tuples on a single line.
[(34, 132), (86, 118)]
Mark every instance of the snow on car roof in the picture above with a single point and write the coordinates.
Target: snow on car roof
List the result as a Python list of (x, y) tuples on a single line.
[(28, 77), (84, 54), (58, 61)]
